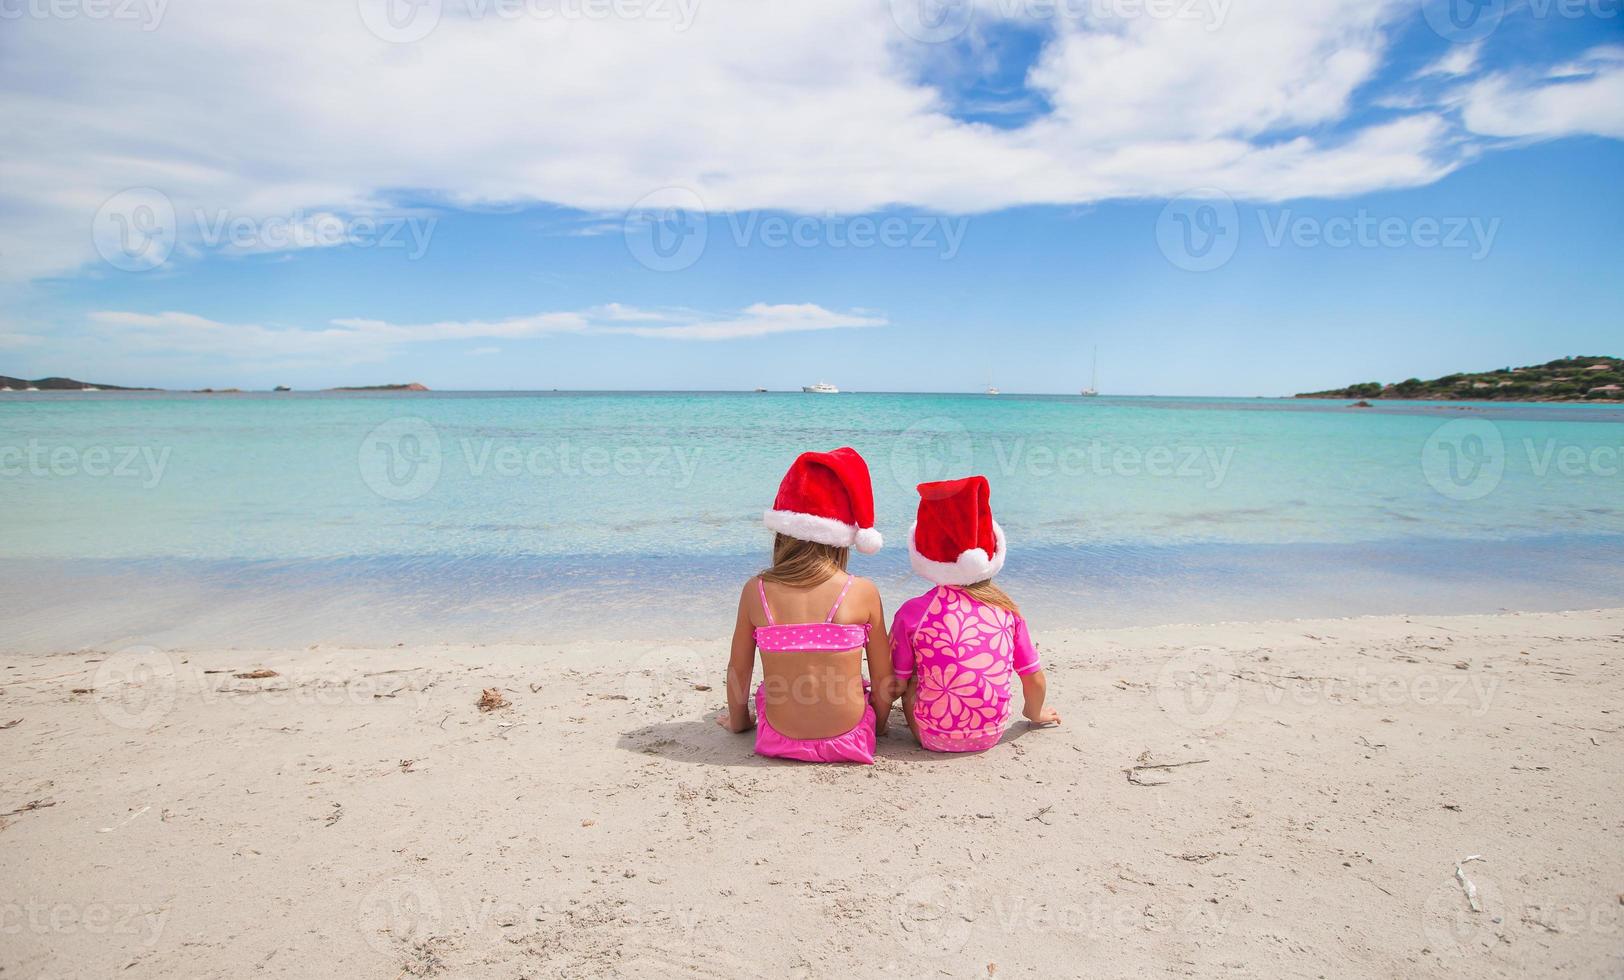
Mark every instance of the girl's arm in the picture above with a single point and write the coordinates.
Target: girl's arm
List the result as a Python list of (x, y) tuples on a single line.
[(880, 677), (741, 667), (1034, 687)]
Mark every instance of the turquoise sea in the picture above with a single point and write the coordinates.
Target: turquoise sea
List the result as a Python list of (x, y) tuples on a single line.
[(249, 519)]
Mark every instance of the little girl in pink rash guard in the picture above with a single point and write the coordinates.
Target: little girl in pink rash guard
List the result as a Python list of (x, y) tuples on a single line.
[(956, 647)]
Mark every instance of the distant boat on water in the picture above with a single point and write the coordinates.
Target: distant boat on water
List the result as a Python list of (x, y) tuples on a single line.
[(991, 390), (1093, 389), (761, 391), (821, 388)]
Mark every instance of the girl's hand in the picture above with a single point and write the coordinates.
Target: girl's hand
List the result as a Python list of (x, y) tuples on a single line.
[(1045, 716)]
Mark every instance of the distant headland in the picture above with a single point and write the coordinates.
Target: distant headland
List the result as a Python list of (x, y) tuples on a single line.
[(59, 384), (69, 384), (1569, 379), (413, 386)]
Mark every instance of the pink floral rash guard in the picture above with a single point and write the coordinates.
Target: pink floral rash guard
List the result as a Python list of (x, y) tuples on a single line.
[(963, 652)]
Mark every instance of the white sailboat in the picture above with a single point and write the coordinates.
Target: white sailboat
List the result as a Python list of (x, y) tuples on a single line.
[(1093, 389), (991, 388), (821, 388)]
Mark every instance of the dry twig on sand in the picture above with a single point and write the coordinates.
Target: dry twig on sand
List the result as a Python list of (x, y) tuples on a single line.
[(1143, 766), (256, 675), (29, 806)]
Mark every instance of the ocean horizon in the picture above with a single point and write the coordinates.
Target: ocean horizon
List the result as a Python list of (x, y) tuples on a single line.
[(374, 518)]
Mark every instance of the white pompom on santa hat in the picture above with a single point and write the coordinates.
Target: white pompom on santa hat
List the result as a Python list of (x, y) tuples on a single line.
[(955, 541), (827, 498)]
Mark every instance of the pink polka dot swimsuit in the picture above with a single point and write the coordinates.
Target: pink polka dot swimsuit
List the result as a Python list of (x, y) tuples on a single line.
[(828, 636)]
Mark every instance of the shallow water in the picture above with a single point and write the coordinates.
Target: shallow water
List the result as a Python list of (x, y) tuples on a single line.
[(243, 520)]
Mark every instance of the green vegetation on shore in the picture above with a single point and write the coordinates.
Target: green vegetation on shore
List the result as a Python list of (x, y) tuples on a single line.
[(1568, 379)]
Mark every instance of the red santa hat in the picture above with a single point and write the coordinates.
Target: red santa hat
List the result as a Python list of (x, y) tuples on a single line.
[(827, 498), (955, 541)]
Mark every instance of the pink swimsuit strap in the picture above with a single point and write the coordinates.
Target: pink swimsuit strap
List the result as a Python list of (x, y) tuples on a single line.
[(826, 636)]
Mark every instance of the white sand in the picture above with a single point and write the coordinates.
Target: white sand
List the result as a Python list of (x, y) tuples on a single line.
[(193, 824)]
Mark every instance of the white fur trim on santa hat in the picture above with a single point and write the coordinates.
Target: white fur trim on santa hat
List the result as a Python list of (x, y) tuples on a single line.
[(823, 530), (973, 566)]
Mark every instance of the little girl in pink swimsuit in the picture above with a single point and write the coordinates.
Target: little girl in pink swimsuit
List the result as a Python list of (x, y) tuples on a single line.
[(814, 622), (957, 645)]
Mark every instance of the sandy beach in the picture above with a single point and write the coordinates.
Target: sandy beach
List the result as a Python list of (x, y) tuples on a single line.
[(1275, 799)]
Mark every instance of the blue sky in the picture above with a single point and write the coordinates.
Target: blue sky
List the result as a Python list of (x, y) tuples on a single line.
[(1391, 202)]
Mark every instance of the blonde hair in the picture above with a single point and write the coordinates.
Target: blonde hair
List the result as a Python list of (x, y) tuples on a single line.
[(802, 564), (992, 595)]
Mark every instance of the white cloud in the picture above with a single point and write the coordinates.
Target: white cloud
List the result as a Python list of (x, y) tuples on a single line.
[(262, 110), (757, 320), (1584, 97), (359, 340), (1457, 61)]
